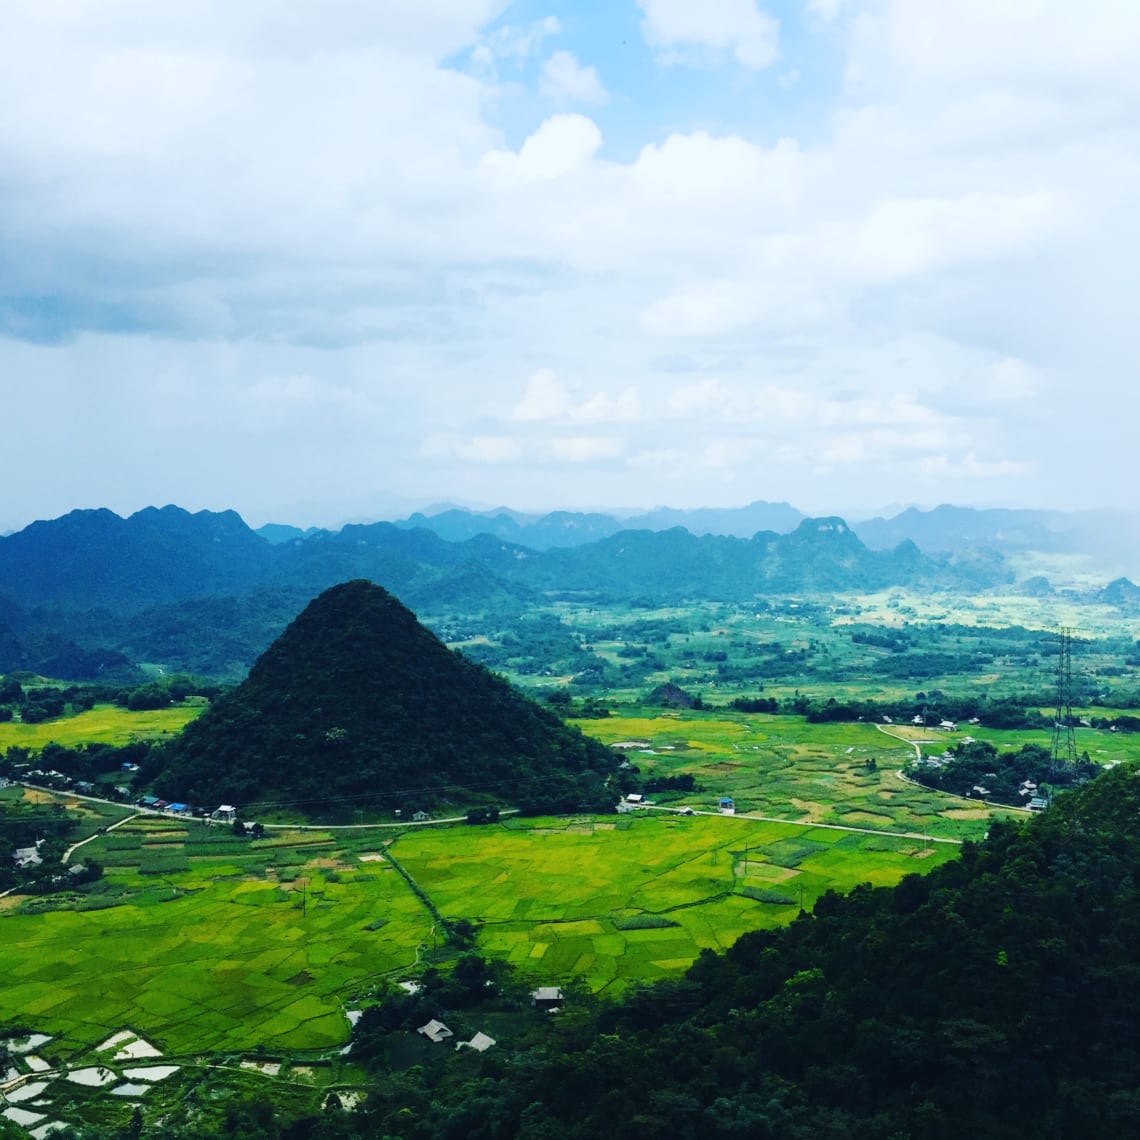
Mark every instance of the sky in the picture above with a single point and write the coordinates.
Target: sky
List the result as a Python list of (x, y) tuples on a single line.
[(321, 260)]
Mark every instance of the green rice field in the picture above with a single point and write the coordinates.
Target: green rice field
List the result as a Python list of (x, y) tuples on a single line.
[(204, 943), (104, 724), (784, 768), (638, 897), (208, 944)]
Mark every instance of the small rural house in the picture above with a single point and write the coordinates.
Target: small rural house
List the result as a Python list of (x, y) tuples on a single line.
[(480, 1043), (420, 817), (546, 997), (727, 805), (225, 813), (435, 1031)]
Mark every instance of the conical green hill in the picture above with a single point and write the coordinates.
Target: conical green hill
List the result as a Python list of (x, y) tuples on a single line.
[(358, 705)]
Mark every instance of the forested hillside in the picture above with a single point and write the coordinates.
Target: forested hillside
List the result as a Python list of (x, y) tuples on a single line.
[(356, 702)]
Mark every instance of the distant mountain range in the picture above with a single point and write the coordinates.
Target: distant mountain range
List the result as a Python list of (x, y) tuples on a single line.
[(571, 528), (1107, 536), (90, 593), (1110, 538)]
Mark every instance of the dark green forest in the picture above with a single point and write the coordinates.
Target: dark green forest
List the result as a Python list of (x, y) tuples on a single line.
[(357, 703)]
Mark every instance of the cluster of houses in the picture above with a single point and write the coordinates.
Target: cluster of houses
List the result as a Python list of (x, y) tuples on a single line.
[(548, 998), (224, 813), (635, 800), (27, 857), (1031, 796), (934, 761), (57, 781), (919, 721)]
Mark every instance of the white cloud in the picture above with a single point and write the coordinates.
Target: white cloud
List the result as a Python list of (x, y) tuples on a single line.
[(969, 466), (737, 26), (548, 397), (512, 42), (479, 449), (908, 237), (565, 80), (904, 286), (704, 171), (826, 10), (1023, 43), (561, 144), (585, 449)]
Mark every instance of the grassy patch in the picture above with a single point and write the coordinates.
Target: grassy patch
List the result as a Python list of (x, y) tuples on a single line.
[(104, 724)]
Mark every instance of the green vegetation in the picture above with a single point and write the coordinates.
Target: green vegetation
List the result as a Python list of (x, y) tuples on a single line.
[(950, 1005), (994, 996), (207, 942), (785, 768), (795, 708), (358, 704), (103, 724), (634, 899)]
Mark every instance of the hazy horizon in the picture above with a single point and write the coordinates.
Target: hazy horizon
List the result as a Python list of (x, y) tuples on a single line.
[(333, 521)]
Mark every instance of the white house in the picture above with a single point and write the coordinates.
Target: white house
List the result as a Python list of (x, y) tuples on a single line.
[(435, 1031), (546, 997), (480, 1043)]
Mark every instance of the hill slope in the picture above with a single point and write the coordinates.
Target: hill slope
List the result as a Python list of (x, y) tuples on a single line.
[(357, 699)]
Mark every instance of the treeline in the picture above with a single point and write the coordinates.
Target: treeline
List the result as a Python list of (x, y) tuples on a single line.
[(26, 698), (37, 703)]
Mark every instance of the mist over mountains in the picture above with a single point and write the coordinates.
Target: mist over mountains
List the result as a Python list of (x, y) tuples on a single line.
[(92, 594)]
